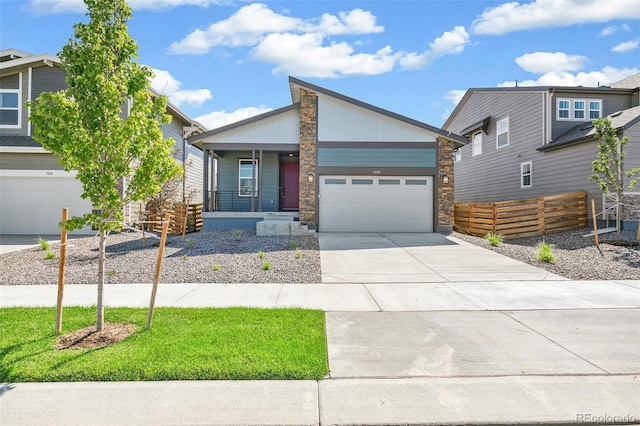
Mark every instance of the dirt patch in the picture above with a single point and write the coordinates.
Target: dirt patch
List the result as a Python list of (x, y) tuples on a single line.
[(89, 338)]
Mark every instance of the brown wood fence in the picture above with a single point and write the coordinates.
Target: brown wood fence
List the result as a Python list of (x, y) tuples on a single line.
[(193, 216), (523, 218)]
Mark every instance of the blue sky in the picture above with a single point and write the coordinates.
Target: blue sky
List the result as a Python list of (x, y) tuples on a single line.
[(224, 60)]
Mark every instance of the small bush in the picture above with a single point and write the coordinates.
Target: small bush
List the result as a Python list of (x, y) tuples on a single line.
[(237, 233), (494, 239), (261, 254), (267, 266), (185, 257), (112, 272), (292, 244), (545, 254), (49, 255), (44, 244), (298, 254), (191, 243), (216, 267)]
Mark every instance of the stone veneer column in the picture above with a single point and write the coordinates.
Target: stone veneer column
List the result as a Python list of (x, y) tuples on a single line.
[(308, 132), (445, 190)]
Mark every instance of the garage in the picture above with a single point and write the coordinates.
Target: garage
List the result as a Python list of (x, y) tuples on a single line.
[(32, 201), (376, 204)]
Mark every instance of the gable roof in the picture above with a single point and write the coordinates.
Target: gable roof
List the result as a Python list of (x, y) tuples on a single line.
[(632, 82), (585, 132), (12, 60), (295, 84)]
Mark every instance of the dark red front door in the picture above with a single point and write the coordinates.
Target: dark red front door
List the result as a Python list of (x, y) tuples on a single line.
[(290, 185)]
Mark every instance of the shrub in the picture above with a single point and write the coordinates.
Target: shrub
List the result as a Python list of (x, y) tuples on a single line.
[(191, 243), (545, 254), (298, 254), (185, 257), (237, 233), (292, 244), (111, 272), (44, 244), (494, 239), (267, 266), (50, 255), (261, 254), (216, 267)]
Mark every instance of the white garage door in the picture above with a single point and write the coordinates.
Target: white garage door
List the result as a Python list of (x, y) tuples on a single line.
[(31, 202), (376, 204)]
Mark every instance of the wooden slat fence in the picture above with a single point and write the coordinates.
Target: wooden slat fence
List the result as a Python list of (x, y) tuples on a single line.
[(193, 216), (523, 218)]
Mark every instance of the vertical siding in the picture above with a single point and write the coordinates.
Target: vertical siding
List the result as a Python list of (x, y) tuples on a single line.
[(342, 121), (228, 179), (281, 129)]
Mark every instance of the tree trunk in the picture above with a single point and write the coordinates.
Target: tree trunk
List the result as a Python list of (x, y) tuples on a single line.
[(101, 260), (618, 211)]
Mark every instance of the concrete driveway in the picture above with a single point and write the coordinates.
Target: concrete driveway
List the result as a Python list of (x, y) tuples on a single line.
[(369, 258)]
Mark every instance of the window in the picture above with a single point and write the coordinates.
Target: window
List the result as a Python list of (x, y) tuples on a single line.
[(595, 110), (579, 109), (525, 175), (502, 129), (457, 154), (361, 181), (9, 108), (476, 144), (246, 173)]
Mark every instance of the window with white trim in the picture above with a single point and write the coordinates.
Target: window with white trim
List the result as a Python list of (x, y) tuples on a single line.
[(9, 108), (476, 144), (526, 174), (457, 154), (579, 109), (502, 130), (246, 174)]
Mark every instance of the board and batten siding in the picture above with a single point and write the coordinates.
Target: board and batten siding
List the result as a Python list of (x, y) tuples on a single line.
[(228, 179), (494, 175), (341, 121), (279, 129)]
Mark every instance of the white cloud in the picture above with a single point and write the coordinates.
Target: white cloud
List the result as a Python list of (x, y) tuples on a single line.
[(605, 76), (543, 62), (164, 83), (449, 43), (46, 7), (217, 119), (626, 46), (251, 23), (513, 16), (607, 31), (455, 96)]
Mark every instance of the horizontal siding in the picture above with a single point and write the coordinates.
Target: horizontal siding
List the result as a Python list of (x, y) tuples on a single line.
[(632, 157), (381, 157), (47, 79), (21, 161), (342, 121), (12, 82), (228, 179)]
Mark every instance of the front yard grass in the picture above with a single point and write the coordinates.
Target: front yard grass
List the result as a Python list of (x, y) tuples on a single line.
[(183, 344)]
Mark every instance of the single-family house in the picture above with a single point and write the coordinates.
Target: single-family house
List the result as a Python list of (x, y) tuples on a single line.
[(528, 142), (33, 185), (333, 162)]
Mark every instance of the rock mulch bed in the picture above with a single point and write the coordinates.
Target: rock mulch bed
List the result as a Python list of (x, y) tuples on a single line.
[(577, 257), (293, 259)]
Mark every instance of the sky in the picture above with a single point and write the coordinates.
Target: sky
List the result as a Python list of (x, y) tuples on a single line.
[(221, 61)]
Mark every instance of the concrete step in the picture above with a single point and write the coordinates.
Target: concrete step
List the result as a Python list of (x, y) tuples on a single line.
[(281, 226)]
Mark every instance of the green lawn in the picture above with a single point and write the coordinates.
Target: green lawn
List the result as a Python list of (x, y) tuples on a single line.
[(183, 344)]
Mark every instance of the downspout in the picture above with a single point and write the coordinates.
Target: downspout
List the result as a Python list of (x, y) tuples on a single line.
[(549, 117)]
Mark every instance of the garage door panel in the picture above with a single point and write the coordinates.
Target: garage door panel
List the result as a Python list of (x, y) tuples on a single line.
[(391, 206)]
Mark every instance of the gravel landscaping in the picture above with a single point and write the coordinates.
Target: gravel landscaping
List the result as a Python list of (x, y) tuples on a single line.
[(204, 257), (576, 256)]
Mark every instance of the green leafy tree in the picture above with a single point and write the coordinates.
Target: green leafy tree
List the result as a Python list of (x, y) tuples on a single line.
[(608, 169), (106, 124)]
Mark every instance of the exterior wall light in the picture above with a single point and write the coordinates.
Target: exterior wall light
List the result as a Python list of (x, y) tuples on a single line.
[(310, 177), (445, 178)]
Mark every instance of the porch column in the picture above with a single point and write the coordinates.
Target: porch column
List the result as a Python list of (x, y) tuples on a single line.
[(260, 182), (253, 179), (212, 179), (205, 179)]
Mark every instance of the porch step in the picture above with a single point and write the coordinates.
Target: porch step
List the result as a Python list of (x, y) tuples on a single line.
[(281, 226)]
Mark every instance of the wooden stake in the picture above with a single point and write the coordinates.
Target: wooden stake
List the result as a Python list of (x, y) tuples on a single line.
[(595, 225), (63, 255), (156, 278)]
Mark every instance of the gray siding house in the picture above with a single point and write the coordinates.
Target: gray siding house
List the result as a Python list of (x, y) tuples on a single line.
[(33, 185), (527, 142), (334, 163)]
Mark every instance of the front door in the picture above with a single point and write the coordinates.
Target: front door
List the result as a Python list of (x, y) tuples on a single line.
[(290, 186)]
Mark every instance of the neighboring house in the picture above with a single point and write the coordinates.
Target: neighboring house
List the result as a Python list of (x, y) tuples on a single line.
[(33, 185), (527, 142), (336, 163)]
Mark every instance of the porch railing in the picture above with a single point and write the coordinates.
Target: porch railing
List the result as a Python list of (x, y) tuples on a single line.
[(231, 201)]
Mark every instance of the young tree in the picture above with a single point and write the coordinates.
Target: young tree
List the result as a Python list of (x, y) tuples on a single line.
[(608, 169), (106, 125)]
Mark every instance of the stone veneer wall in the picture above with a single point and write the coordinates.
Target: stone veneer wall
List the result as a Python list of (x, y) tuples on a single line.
[(308, 133), (445, 191)]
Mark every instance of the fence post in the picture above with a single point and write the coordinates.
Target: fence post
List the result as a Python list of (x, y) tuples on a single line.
[(541, 225), (494, 218)]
